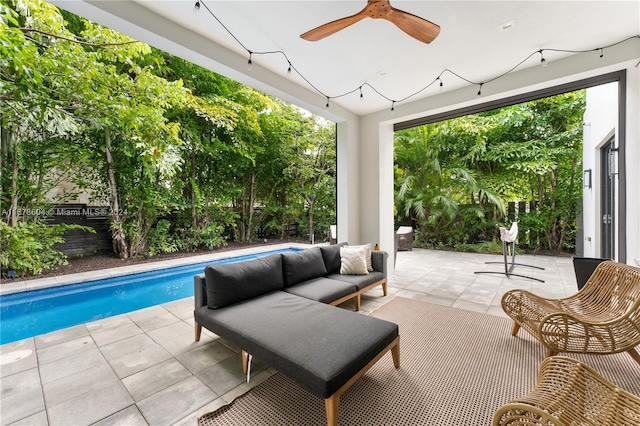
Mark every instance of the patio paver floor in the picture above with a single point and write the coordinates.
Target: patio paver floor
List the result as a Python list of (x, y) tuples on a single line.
[(144, 367)]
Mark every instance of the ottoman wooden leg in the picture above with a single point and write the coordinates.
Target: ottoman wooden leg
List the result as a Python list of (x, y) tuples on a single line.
[(198, 332), (331, 405), (245, 362), (395, 353)]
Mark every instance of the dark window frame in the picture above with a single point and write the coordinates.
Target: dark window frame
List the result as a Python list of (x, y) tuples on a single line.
[(619, 77)]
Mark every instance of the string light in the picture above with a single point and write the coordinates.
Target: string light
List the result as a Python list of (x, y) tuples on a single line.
[(393, 110), (196, 8), (543, 62)]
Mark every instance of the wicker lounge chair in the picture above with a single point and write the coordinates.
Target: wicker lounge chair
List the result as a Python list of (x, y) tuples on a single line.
[(570, 393), (404, 237), (602, 318)]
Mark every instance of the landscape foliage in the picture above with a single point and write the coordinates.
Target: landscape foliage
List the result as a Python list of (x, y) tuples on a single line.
[(456, 179), (186, 159)]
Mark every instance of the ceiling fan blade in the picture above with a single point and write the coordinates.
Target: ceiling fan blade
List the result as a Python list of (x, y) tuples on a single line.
[(417, 27), (333, 27)]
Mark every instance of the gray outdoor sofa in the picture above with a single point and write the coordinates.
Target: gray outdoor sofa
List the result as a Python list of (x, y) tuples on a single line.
[(278, 309)]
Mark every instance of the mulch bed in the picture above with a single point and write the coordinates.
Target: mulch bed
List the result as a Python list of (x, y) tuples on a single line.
[(104, 261)]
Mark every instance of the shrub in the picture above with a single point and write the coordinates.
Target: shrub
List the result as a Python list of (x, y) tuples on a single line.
[(493, 247), (159, 240), (28, 248), (193, 239)]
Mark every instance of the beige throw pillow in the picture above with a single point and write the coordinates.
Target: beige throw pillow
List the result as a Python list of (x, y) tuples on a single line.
[(367, 255), (353, 261)]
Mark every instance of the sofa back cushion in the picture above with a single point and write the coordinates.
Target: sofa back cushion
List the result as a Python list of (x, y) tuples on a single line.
[(234, 282), (353, 259), (302, 265), (331, 257)]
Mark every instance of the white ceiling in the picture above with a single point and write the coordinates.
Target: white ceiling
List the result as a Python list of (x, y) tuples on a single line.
[(470, 43)]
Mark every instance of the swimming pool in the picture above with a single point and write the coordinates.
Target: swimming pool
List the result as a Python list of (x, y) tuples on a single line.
[(31, 313)]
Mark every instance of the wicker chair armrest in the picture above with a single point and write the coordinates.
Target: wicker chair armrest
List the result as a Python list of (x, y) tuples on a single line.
[(518, 413), (569, 392), (562, 332)]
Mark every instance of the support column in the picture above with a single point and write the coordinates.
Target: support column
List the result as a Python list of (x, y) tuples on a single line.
[(376, 190), (348, 181)]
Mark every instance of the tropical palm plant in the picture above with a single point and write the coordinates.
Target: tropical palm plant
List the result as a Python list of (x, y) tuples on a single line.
[(442, 200)]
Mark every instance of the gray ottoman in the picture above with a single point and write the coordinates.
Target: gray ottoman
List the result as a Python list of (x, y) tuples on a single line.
[(322, 348)]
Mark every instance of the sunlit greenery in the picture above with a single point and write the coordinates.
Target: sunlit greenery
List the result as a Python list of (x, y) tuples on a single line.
[(455, 178), (184, 158)]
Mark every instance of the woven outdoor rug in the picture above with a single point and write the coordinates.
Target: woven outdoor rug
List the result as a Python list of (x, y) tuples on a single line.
[(456, 368)]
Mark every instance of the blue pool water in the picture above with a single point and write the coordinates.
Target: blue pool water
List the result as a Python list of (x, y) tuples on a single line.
[(31, 313)]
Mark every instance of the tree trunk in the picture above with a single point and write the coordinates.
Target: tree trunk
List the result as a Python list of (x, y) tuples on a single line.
[(118, 238), (4, 157), (9, 158), (13, 209), (252, 194), (310, 202), (40, 193), (540, 189), (241, 206), (194, 198)]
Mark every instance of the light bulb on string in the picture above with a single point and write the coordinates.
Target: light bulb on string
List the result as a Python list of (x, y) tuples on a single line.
[(543, 61), (198, 4), (393, 110)]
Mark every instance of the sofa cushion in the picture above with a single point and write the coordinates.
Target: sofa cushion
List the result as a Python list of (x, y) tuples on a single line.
[(353, 261), (302, 266), (360, 281), (234, 282), (322, 289), (319, 346), (331, 257), (367, 255)]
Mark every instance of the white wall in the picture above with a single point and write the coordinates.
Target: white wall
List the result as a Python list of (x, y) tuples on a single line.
[(376, 220), (600, 124), (633, 164), (376, 206), (348, 181)]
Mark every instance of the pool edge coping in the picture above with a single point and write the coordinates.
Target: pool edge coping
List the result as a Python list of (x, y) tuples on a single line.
[(80, 277)]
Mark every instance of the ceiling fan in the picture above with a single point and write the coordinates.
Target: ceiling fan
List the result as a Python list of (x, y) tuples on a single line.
[(416, 27)]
